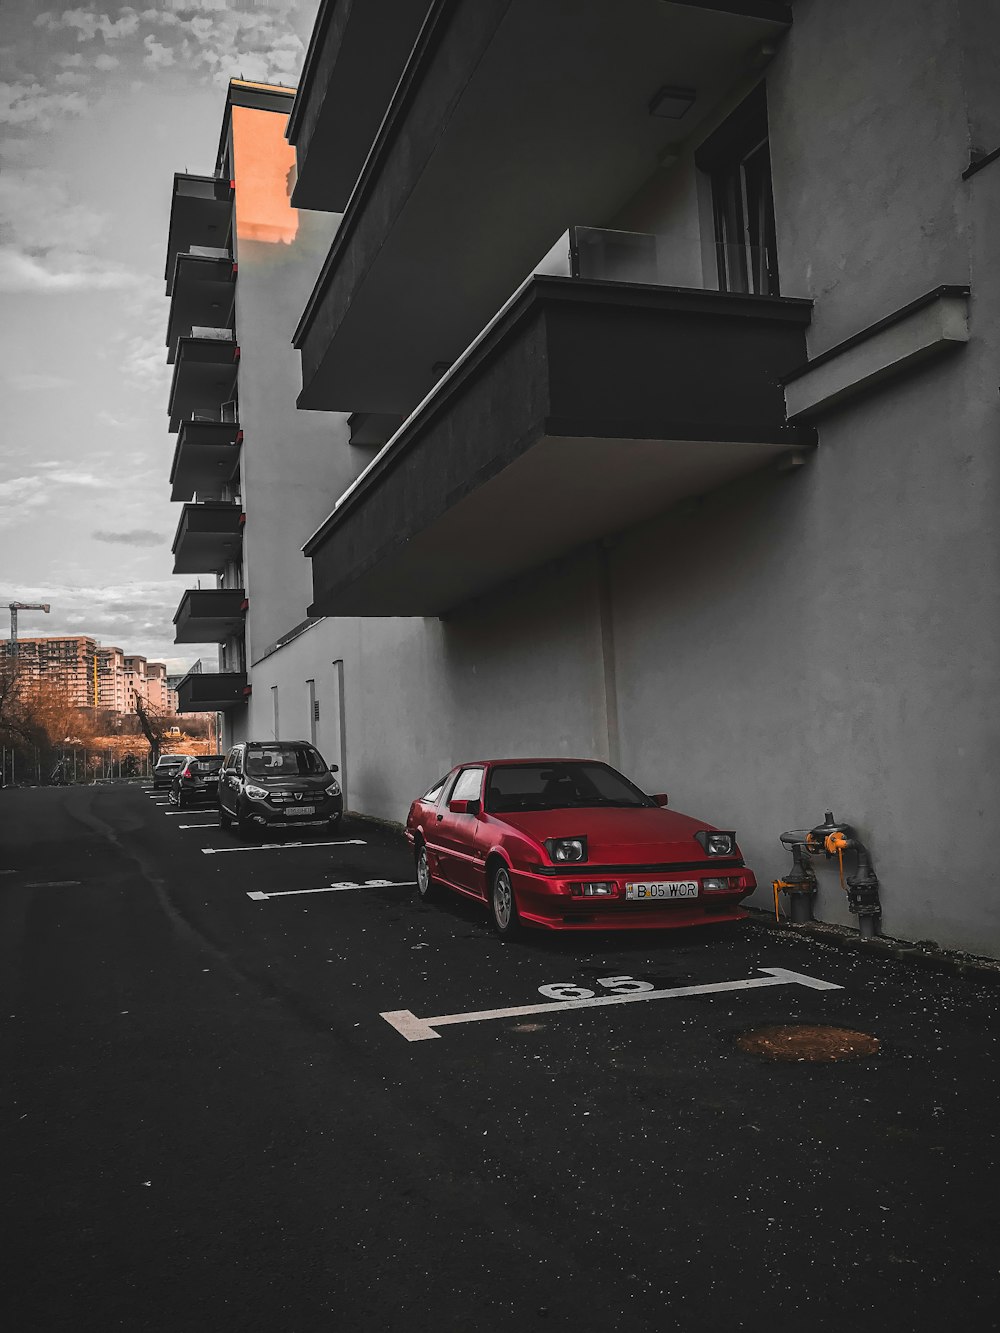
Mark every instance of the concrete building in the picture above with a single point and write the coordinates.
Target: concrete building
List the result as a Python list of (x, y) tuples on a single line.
[(672, 328), (112, 680), (68, 662)]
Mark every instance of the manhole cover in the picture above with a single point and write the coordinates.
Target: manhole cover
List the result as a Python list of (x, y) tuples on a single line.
[(801, 1042)]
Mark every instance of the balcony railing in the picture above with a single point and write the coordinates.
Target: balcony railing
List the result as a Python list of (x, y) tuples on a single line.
[(211, 691), (208, 535), (201, 210), (205, 376), (209, 615), (206, 458)]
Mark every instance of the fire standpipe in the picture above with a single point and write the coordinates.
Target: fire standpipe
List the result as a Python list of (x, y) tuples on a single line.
[(830, 839)]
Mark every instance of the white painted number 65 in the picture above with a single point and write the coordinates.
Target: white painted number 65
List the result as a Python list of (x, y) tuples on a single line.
[(565, 990)]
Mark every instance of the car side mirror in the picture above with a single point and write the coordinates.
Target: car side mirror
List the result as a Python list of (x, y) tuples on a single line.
[(661, 798), (464, 807), (334, 768)]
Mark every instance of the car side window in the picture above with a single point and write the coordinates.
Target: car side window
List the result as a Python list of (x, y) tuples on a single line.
[(238, 761), (430, 797), (469, 785)]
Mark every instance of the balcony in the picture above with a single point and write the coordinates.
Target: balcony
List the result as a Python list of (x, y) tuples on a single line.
[(355, 57), (509, 121), (201, 214), (209, 615), (206, 458), (203, 294), (584, 408), (208, 534), (205, 372), (211, 692)]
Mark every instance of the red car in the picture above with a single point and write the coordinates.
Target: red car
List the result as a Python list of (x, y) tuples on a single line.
[(572, 844)]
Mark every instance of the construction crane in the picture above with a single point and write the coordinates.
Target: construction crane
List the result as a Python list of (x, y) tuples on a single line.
[(13, 608)]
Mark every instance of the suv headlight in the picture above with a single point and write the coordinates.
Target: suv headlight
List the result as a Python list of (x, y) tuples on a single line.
[(561, 850), (715, 843), (256, 793), (334, 788)]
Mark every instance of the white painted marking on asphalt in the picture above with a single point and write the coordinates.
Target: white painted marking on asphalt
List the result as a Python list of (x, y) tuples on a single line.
[(338, 888), (52, 884), (411, 1027), (215, 825), (282, 846), (174, 814)]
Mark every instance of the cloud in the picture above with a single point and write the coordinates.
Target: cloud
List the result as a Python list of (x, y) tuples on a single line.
[(157, 55), (86, 479), (48, 243), (30, 381), (87, 24), (20, 497), (132, 537), (31, 104)]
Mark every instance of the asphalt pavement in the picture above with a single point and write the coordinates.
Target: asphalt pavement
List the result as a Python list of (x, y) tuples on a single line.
[(253, 1086)]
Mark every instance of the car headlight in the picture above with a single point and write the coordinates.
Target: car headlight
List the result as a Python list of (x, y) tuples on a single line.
[(715, 843), (334, 788), (256, 793), (566, 849)]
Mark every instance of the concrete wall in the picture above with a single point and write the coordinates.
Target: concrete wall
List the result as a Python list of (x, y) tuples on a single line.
[(293, 464)]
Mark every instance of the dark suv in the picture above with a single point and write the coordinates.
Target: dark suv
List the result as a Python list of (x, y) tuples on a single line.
[(278, 784), (198, 780)]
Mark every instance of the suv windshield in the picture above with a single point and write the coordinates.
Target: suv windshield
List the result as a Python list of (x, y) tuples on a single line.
[(283, 761), (559, 786)]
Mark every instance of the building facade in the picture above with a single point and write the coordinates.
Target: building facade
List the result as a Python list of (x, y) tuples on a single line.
[(653, 359)]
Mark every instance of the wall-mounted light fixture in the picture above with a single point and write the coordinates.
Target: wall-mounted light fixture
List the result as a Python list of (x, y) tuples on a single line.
[(672, 103)]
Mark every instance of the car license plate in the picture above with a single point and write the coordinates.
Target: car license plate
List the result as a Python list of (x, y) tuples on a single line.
[(674, 888), (300, 810)]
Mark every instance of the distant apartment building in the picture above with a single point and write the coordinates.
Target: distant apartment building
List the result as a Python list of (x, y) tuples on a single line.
[(646, 410), (93, 676), (70, 663)]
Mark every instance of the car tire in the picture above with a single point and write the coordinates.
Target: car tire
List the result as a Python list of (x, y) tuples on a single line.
[(225, 820), (427, 888), (503, 906)]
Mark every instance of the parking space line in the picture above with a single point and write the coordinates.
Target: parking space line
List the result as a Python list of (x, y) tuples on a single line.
[(337, 888), (215, 825), (411, 1027), (283, 846), (175, 814)]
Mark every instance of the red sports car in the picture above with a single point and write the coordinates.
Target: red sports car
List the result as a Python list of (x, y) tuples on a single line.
[(572, 844)]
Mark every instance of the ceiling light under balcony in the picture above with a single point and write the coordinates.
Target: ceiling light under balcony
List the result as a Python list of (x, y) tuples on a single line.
[(672, 103)]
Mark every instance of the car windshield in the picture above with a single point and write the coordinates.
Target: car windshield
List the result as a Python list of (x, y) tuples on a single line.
[(559, 786), (283, 761)]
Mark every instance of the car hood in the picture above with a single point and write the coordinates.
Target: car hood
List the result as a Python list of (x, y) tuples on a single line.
[(618, 836), (288, 783)]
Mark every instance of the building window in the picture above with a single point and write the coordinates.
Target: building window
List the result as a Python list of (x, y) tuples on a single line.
[(737, 159)]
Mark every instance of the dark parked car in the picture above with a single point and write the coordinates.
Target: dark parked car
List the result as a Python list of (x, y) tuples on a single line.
[(571, 844), (278, 784), (167, 768), (197, 781)]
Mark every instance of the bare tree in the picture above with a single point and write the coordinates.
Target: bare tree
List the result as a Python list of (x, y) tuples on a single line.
[(154, 727)]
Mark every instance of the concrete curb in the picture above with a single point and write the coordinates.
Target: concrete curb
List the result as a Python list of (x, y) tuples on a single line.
[(842, 937)]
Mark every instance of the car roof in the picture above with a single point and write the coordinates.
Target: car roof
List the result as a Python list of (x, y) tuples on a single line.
[(551, 759), (279, 745)]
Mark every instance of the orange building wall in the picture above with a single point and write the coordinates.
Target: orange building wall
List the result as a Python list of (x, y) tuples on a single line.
[(263, 167)]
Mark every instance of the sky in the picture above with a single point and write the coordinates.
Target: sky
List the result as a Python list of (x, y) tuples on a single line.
[(99, 106)]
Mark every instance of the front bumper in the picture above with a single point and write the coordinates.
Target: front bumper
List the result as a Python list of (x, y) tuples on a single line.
[(266, 814), (558, 904)]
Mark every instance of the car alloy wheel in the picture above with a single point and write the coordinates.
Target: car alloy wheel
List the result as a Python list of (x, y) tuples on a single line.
[(502, 905), (425, 883)]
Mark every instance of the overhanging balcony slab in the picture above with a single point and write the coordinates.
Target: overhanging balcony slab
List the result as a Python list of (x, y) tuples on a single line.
[(512, 119), (355, 57), (209, 615), (208, 534), (206, 458), (203, 291), (211, 692), (205, 372), (584, 408), (201, 214)]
